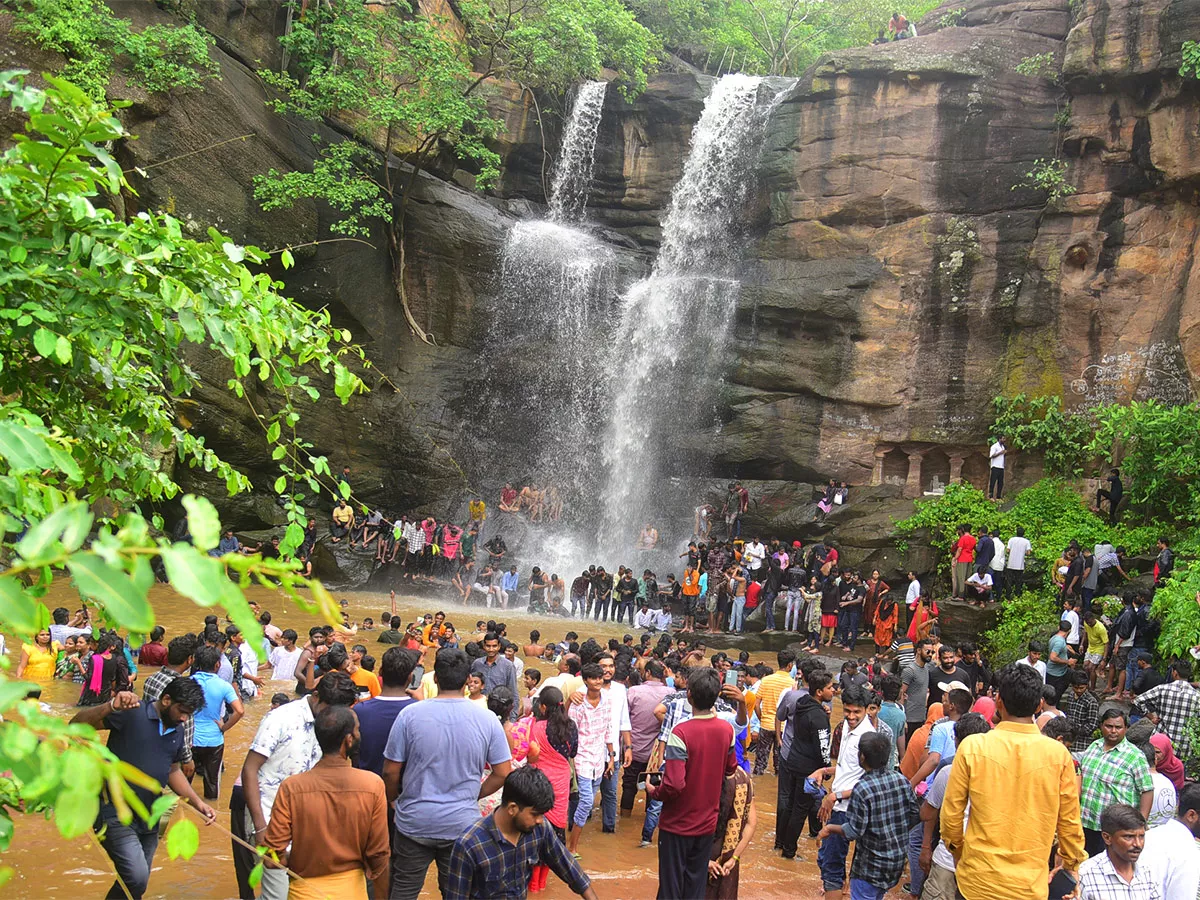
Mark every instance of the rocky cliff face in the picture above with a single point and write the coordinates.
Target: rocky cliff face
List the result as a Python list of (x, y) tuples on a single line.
[(896, 280)]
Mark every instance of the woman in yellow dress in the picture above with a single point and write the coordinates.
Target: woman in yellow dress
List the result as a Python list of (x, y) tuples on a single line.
[(39, 658)]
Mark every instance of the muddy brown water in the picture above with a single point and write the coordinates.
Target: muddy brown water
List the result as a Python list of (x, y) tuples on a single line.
[(46, 865)]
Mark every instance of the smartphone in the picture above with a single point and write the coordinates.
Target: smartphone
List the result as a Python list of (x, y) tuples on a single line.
[(655, 778), (1061, 885), (731, 677), (417, 675)]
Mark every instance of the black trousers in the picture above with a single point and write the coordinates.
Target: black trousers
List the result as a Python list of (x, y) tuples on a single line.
[(683, 865), (410, 863), (996, 482), (1114, 503), (1093, 842), (208, 766), (795, 808), (243, 859), (629, 780), (602, 610)]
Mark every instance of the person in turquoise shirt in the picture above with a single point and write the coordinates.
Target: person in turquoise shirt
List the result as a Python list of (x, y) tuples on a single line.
[(211, 723)]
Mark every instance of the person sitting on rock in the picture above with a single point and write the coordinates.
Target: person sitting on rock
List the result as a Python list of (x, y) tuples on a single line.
[(898, 27), (508, 499), (979, 588), (341, 521)]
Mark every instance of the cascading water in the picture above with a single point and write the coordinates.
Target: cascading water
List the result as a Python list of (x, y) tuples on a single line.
[(573, 173), (670, 348), (543, 359)]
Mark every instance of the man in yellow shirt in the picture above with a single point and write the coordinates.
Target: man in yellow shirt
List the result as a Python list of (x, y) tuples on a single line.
[(768, 692), (342, 522), (1022, 791)]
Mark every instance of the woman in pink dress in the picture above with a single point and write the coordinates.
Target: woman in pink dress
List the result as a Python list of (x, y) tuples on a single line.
[(553, 742)]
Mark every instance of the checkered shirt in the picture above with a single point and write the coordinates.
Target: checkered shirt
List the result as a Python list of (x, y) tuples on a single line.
[(1098, 880), (1176, 704), (1083, 714), (152, 690), (1119, 775), (882, 810)]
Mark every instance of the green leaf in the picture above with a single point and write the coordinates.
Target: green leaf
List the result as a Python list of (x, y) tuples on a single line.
[(281, 484), (273, 432), (62, 349), (45, 340), (70, 523), (75, 810), (17, 741), (17, 254), (123, 598), (235, 253), (344, 490), (162, 806), (183, 839), (194, 574), (23, 448), (84, 770), (286, 259), (18, 610), (292, 539), (203, 522), (12, 692), (6, 831)]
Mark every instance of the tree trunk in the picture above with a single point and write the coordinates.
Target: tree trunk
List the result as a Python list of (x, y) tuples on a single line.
[(396, 252)]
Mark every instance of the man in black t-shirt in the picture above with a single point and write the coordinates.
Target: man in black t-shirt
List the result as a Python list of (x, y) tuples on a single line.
[(947, 671)]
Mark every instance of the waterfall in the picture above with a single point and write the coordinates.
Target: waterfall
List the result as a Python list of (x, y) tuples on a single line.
[(670, 350), (573, 172), (542, 364)]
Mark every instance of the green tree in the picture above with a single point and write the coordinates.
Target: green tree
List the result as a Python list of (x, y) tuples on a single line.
[(97, 43), (97, 314)]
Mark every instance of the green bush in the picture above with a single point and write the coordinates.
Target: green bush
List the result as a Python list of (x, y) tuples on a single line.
[(1028, 616), (1175, 603), (941, 515)]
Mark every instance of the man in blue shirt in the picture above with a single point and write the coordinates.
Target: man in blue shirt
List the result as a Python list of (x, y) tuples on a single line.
[(208, 742), (508, 585), (439, 747), (495, 668), (375, 716), (149, 736)]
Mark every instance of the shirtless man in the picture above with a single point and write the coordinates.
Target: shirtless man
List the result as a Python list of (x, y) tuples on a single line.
[(554, 503), (702, 526), (528, 498), (648, 539), (558, 593), (534, 647), (464, 578), (508, 499)]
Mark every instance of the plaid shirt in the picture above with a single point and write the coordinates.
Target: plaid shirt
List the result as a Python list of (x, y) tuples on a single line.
[(1083, 713), (1175, 703), (152, 690), (1098, 880), (1119, 775), (483, 864), (883, 808)]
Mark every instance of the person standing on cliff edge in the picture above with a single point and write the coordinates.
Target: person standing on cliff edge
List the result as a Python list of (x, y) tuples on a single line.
[(996, 477)]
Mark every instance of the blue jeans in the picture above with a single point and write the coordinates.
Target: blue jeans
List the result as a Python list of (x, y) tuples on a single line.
[(849, 626), (653, 811), (609, 788), (737, 618), (917, 874), (831, 858), (131, 850), (622, 607), (587, 799), (1131, 671), (769, 612), (864, 890), (791, 618)]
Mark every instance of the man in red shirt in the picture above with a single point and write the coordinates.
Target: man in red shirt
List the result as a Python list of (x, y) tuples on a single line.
[(964, 557), (698, 757)]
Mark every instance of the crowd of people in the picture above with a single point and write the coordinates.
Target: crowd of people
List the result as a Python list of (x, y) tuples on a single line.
[(490, 758)]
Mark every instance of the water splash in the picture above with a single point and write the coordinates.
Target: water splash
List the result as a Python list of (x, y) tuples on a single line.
[(573, 173), (671, 346)]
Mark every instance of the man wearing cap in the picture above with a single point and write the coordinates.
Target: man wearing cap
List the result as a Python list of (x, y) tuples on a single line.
[(941, 739)]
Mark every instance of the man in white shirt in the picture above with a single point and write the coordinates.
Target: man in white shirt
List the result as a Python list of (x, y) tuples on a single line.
[(250, 679), (756, 552), (996, 566), (979, 587), (619, 703), (996, 478), (834, 849), (1171, 852), (1014, 567), (1070, 614), (1034, 659), (914, 591), (1119, 872), (645, 620), (285, 656)]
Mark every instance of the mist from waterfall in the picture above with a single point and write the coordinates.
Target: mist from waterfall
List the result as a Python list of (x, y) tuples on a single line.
[(671, 345)]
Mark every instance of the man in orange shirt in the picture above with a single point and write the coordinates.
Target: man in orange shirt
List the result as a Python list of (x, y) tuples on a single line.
[(1012, 774), (691, 596)]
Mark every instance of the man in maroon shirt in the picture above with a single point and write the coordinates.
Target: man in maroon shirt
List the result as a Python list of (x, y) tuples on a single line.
[(698, 757)]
